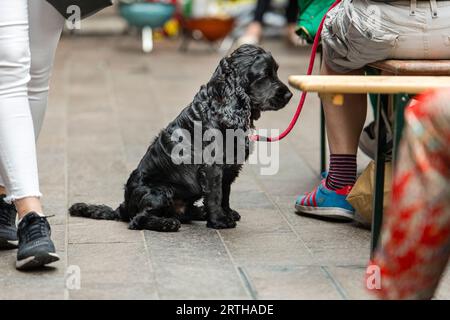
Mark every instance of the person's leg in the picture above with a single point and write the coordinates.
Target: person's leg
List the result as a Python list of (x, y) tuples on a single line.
[(292, 11), (2, 187), (261, 8), (17, 148), (344, 123), (291, 20), (46, 25), (254, 30), (344, 126), (41, 31), (18, 165), (346, 53)]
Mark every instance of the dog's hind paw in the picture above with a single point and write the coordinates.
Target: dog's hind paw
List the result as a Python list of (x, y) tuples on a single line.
[(170, 225), (155, 224), (134, 226)]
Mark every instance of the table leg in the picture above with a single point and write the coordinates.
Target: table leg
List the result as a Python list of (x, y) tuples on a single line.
[(400, 103), (380, 157), (323, 142)]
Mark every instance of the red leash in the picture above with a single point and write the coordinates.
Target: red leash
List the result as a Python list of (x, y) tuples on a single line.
[(303, 97)]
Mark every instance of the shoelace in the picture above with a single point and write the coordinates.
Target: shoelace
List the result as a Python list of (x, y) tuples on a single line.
[(36, 228)]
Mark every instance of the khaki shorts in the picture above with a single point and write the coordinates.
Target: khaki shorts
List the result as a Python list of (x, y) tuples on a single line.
[(359, 32)]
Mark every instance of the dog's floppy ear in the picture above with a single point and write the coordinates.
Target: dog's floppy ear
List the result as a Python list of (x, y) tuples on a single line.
[(230, 103)]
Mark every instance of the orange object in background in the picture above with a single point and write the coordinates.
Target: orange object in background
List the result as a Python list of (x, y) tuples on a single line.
[(211, 28)]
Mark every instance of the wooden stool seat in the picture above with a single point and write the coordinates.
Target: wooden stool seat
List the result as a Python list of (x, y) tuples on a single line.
[(414, 67)]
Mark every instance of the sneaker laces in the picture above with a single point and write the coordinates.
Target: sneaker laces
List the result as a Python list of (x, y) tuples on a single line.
[(36, 228)]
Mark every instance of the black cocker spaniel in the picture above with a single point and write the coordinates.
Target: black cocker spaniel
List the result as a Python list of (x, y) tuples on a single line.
[(160, 193)]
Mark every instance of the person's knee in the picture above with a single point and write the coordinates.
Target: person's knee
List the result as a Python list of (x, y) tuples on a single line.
[(15, 61), (15, 58), (40, 70), (327, 70)]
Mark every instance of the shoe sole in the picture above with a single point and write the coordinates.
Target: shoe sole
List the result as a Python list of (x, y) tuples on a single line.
[(38, 261), (8, 244), (333, 213)]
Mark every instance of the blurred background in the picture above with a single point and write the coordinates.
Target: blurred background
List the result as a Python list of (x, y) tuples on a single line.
[(212, 24)]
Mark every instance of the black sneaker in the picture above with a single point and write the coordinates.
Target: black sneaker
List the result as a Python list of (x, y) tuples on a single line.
[(8, 230), (36, 249)]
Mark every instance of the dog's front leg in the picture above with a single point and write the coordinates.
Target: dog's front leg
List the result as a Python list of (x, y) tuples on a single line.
[(226, 190), (210, 177)]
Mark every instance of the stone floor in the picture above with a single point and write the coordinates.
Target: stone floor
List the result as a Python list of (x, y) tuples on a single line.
[(107, 102)]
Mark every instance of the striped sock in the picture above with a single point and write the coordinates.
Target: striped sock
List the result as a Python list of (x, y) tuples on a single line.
[(342, 171)]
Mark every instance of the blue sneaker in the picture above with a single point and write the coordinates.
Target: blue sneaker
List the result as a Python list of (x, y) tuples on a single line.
[(327, 203)]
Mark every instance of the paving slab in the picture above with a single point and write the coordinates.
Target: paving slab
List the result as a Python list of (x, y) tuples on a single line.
[(112, 271), (193, 264)]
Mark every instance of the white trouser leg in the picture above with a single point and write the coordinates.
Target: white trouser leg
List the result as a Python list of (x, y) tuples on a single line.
[(28, 42), (46, 25)]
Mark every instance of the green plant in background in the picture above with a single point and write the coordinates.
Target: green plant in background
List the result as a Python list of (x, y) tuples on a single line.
[(190, 8)]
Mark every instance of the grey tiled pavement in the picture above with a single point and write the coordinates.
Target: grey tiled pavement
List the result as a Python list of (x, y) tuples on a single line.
[(108, 100)]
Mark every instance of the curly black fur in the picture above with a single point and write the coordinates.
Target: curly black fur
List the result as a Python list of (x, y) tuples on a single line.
[(160, 194)]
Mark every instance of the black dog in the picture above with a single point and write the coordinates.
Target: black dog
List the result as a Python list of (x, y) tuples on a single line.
[(160, 194)]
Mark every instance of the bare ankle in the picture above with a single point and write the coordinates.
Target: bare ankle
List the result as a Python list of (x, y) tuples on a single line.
[(254, 30), (27, 205)]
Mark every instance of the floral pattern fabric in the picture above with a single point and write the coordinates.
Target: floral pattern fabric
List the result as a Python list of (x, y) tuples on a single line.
[(415, 240)]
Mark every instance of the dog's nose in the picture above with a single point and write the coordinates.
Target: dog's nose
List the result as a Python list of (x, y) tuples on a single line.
[(288, 95)]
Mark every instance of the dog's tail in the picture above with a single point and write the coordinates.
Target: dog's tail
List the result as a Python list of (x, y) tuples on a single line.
[(100, 212)]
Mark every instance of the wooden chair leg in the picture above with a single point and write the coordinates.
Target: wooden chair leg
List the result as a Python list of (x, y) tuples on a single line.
[(147, 39), (380, 157)]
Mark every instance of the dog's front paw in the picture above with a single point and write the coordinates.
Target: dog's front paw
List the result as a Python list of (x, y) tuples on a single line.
[(234, 214), (224, 222)]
